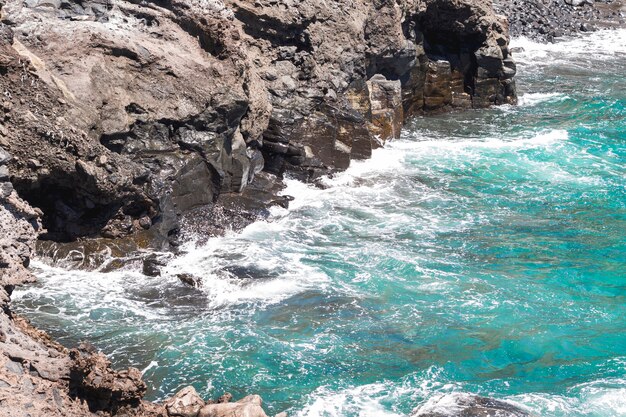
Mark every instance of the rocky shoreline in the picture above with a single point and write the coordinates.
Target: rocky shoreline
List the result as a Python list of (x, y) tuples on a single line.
[(175, 118), (548, 20)]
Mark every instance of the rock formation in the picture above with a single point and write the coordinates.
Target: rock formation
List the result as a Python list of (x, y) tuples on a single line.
[(124, 116), (19, 228)]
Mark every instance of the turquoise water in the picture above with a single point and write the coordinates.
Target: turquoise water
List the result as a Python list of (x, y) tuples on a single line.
[(484, 252)]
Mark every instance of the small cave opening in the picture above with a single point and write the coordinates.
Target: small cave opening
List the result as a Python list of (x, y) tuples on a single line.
[(458, 49), (67, 214)]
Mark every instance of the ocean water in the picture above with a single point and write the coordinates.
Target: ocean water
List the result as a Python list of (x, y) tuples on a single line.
[(484, 252)]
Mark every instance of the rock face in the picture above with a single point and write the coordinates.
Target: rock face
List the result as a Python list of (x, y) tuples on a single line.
[(466, 405), (550, 19), (40, 378), (161, 108), (19, 227), (92, 379)]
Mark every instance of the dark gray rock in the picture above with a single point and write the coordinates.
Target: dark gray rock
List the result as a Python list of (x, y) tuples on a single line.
[(152, 265), (547, 20), (14, 367), (191, 280), (467, 405)]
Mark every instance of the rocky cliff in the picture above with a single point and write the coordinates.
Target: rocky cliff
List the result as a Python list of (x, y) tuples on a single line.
[(143, 120), (126, 116)]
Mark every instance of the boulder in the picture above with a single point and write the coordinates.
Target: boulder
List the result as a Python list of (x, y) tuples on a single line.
[(249, 406), (93, 380), (191, 280), (185, 403)]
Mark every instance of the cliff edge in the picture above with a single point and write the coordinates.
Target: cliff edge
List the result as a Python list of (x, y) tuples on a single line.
[(127, 116)]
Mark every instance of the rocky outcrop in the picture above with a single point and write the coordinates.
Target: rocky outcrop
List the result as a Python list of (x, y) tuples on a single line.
[(467, 405), (185, 403), (19, 227), (160, 109), (550, 19), (40, 378), (349, 79), (92, 379)]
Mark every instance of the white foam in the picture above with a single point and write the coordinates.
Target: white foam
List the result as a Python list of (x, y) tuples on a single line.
[(452, 145), (600, 398), (446, 404), (90, 291), (209, 262), (152, 364), (600, 45), (532, 99)]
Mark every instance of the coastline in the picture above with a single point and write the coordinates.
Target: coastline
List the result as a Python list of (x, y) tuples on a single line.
[(53, 377)]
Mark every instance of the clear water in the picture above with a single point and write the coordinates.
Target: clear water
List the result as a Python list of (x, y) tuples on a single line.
[(484, 252)]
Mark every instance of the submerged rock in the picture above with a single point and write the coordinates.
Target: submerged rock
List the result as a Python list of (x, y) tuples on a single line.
[(191, 280), (467, 405)]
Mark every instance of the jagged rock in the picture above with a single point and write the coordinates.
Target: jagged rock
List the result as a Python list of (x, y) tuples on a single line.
[(20, 225), (152, 265), (185, 403), (249, 406), (93, 380), (225, 398), (467, 405)]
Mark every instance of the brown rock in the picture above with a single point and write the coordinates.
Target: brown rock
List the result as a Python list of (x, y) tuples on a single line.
[(93, 380), (249, 406), (438, 86), (225, 398), (386, 105), (185, 403)]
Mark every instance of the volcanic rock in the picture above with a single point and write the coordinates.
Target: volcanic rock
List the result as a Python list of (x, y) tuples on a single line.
[(466, 405), (185, 403)]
